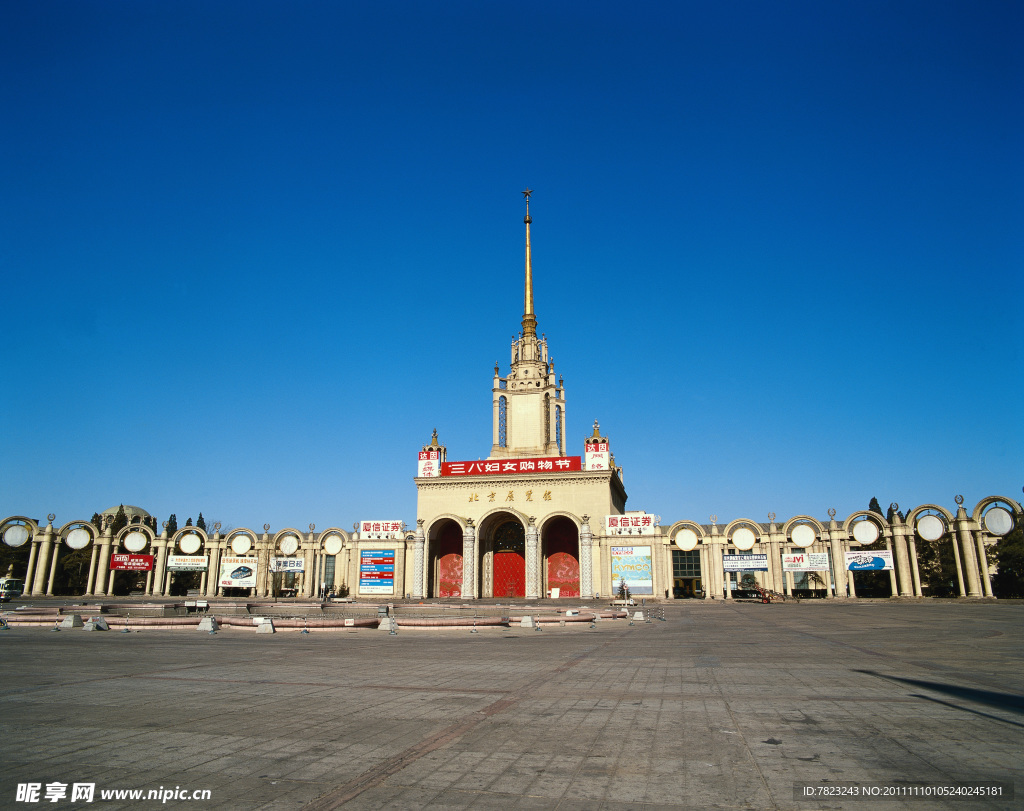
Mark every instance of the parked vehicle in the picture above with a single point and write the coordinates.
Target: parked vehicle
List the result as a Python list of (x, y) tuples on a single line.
[(10, 587)]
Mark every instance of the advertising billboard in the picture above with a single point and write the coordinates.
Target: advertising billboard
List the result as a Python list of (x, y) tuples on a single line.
[(186, 563), (429, 464), (805, 562), (869, 561), (510, 466), (640, 524), (377, 571), (597, 456), (634, 565), (381, 530), (287, 565), (237, 573), (131, 563), (744, 563)]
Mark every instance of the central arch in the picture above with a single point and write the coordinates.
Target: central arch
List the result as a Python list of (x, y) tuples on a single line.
[(508, 564)]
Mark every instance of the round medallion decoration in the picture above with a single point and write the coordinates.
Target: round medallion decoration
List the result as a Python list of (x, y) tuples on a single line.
[(686, 539), (135, 541), (189, 544), (743, 539), (865, 532), (16, 535), (289, 545), (78, 538), (998, 521), (241, 544), (332, 546), (930, 527), (803, 535)]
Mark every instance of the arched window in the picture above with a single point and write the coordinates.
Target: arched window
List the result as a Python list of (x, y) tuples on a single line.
[(558, 428), (547, 418), (502, 422)]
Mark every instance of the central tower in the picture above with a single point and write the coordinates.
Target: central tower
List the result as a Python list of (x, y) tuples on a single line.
[(528, 404)]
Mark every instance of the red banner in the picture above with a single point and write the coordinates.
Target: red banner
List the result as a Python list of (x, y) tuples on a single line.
[(505, 467), (131, 563)]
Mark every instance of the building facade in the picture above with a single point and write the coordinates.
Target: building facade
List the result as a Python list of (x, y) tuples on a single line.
[(529, 521)]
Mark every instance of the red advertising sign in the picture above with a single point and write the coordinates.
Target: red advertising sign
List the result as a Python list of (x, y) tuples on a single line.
[(505, 467), (131, 563)]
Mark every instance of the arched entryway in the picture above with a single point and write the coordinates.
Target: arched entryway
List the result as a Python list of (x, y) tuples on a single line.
[(445, 571), (508, 563), (560, 549)]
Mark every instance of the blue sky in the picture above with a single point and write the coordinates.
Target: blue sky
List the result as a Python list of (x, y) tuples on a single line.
[(254, 252)]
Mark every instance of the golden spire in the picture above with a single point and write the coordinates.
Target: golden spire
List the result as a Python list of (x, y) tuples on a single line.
[(529, 319)]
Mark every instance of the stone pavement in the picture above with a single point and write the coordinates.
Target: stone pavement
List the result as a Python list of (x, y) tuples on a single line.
[(723, 705)]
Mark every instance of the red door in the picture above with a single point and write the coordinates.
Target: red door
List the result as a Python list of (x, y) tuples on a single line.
[(449, 564), (509, 564), (560, 541)]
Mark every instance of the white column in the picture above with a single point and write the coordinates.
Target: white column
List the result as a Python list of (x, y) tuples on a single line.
[(586, 560), (967, 548), (469, 561), (418, 549), (532, 561), (986, 579)]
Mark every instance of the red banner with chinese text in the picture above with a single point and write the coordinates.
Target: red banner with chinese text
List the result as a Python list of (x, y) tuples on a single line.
[(506, 467)]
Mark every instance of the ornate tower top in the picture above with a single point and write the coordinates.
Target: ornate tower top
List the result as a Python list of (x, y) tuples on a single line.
[(529, 318)]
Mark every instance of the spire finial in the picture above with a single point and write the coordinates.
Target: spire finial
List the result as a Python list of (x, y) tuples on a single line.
[(529, 319)]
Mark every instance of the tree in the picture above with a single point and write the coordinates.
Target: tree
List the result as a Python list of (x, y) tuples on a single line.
[(1008, 581), (201, 523), (875, 507), (172, 524), (189, 522)]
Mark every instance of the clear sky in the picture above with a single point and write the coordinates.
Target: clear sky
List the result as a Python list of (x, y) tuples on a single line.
[(253, 252)]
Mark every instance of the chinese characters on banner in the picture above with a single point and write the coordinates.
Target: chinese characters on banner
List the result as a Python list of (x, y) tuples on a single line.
[(873, 561), (131, 563), (237, 573), (377, 571), (429, 464), (278, 564), (382, 530), (630, 524), (744, 563), (186, 563), (596, 456), (506, 466), (805, 562)]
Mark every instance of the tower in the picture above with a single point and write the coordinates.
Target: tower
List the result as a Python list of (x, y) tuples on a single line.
[(528, 404)]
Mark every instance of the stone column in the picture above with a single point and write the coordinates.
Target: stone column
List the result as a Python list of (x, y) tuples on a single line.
[(418, 551), (103, 564), (43, 561), (902, 560), (586, 560), (469, 560), (33, 552), (835, 546), (532, 561), (959, 567), (53, 567), (914, 569), (705, 569), (986, 579), (846, 573), (263, 564), (963, 529), (893, 589), (161, 563), (213, 563), (92, 567)]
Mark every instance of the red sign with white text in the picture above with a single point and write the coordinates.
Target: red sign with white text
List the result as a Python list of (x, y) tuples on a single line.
[(131, 563), (505, 467)]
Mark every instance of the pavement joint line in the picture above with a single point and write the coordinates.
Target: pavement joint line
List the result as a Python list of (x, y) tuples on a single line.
[(378, 774)]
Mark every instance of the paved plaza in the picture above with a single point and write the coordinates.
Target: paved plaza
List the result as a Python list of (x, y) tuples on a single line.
[(722, 705)]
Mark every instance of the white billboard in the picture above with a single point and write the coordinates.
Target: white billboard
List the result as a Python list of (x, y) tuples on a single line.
[(237, 573), (429, 464), (278, 564), (186, 563), (596, 456), (639, 524), (381, 530), (805, 562)]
